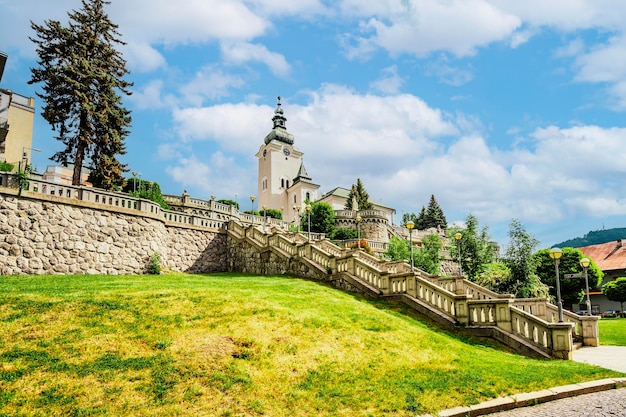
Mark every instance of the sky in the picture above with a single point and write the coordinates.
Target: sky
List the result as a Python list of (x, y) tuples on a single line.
[(504, 109)]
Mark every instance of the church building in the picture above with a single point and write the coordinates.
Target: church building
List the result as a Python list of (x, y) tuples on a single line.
[(283, 183)]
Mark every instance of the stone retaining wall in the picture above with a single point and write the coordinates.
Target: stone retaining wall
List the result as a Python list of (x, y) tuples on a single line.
[(39, 237)]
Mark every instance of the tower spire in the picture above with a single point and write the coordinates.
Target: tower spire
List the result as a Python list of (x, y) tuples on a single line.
[(279, 131), (279, 118)]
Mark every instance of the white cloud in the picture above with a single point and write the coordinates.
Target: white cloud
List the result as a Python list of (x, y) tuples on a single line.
[(456, 26), (219, 175), (243, 52), (448, 74), (209, 83), (390, 83)]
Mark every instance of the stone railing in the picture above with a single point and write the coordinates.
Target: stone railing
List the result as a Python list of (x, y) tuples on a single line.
[(458, 300), (106, 200)]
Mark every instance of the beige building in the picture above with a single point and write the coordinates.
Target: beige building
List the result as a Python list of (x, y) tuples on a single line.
[(283, 182), (64, 174), (17, 117), (338, 196)]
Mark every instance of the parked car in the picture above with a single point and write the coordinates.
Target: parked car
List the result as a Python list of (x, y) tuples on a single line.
[(611, 313)]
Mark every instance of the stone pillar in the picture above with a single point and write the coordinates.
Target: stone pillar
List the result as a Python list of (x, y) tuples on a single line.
[(562, 345), (589, 331)]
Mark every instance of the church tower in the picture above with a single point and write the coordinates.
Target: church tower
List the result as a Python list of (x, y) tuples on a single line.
[(283, 182)]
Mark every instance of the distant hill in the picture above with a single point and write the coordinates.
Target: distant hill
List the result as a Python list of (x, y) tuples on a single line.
[(594, 238)]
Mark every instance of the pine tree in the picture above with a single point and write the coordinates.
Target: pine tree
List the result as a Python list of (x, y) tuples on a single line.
[(82, 76), (434, 215), (420, 223), (362, 197)]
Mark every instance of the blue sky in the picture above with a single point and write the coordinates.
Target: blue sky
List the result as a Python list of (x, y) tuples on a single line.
[(500, 108)]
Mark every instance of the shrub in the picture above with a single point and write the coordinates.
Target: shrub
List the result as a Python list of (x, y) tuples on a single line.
[(154, 264), (6, 167)]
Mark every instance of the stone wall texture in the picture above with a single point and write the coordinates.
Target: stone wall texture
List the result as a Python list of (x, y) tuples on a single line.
[(39, 237)]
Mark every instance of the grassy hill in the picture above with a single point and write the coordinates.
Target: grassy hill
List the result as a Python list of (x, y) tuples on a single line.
[(228, 345), (594, 238)]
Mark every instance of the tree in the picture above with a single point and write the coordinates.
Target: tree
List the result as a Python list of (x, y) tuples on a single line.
[(428, 258), (397, 249), (434, 216), (344, 233), (616, 291), (229, 203), (520, 261), (362, 197), (572, 289), (147, 190), (322, 218), (82, 76), (477, 250)]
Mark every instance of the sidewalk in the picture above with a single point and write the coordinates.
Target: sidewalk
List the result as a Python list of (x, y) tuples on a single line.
[(605, 397)]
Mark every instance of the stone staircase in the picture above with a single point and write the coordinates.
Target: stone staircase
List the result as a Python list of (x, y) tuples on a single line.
[(528, 326)]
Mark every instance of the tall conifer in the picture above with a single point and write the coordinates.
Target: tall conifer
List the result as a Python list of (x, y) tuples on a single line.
[(362, 197), (82, 76)]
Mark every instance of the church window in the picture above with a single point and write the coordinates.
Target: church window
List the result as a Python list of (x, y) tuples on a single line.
[(282, 183), (308, 196), (287, 182)]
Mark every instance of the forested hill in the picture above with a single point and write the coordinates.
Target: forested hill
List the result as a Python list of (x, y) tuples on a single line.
[(594, 238)]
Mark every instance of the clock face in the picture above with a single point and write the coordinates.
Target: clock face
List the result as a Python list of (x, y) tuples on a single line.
[(286, 151)]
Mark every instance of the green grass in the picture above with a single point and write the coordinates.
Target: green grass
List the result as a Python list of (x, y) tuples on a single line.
[(612, 331), (230, 345)]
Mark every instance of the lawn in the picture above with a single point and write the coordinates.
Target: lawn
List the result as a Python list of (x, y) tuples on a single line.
[(231, 345), (612, 331)]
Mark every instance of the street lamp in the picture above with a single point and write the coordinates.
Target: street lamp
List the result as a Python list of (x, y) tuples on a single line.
[(25, 156), (458, 237), (358, 231), (555, 254), (308, 210), (410, 225), (584, 262), (252, 198)]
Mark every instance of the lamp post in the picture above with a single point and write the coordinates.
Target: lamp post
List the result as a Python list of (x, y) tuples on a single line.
[(458, 237), (358, 231), (252, 198), (584, 262), (25, 155), (308, 210), (410, 225), (555, 254)]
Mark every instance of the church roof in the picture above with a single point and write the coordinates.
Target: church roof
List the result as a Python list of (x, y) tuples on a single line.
[(279, 131)]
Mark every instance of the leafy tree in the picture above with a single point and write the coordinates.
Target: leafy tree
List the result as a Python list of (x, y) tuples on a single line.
[(410, 217), (362, 197), (397, 249), (520, 261), (495, 277), (322, 218), (344, 233), (148, 190), (428, 258), (434, 216), (82, 76), (6, 167), (477, 250), (616, 291), (273, 213), (572, 289), (229, 203)]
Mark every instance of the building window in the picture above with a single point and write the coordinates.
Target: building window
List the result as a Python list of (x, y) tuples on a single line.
[(282, 183), (308, 196)]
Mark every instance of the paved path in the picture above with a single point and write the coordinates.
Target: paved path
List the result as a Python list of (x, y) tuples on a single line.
[(609, 357), (611, 403)]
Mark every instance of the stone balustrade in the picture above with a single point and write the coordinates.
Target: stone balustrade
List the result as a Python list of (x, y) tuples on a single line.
[(461, 301)]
